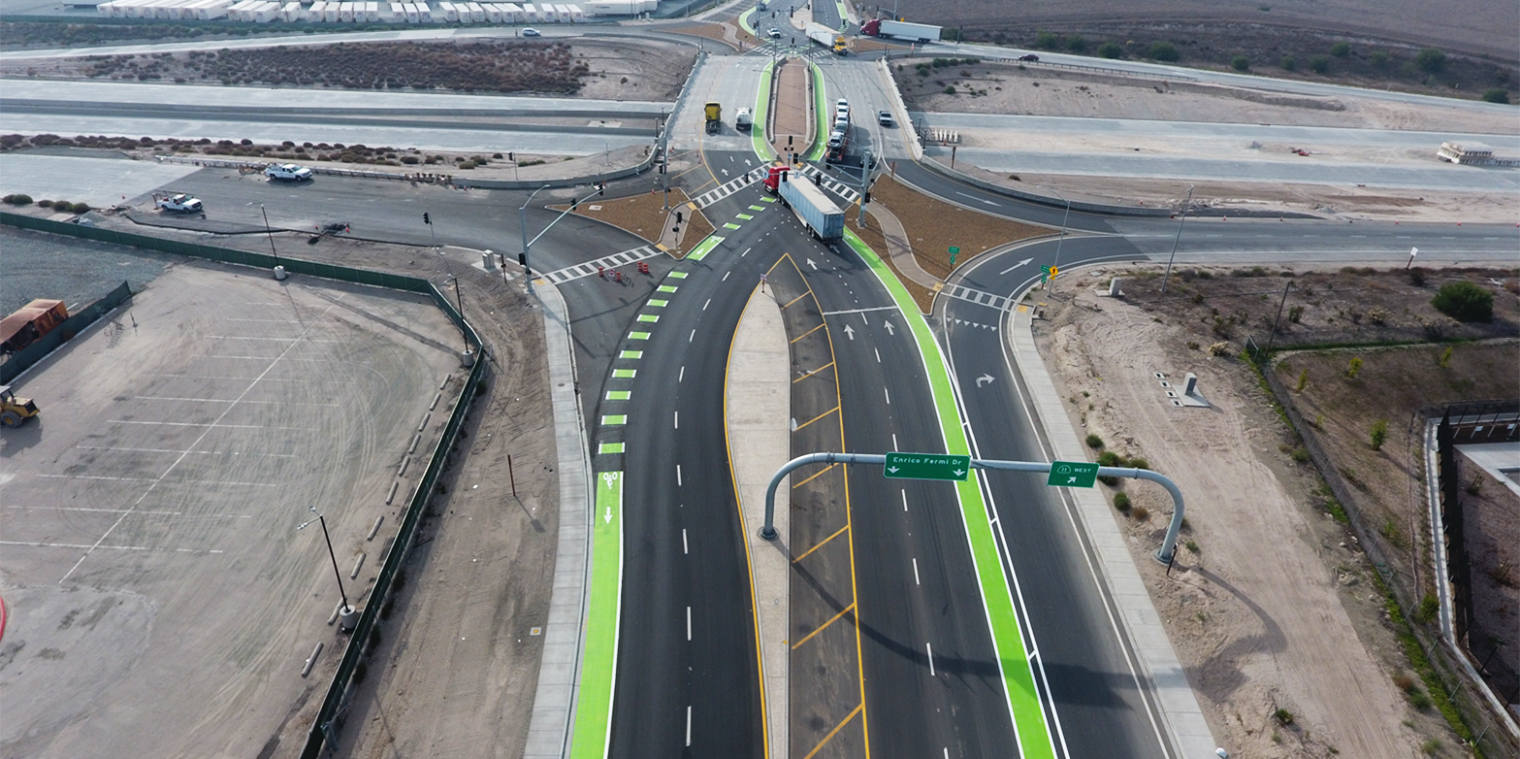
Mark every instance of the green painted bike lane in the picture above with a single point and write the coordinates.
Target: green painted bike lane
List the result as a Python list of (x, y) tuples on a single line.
[(593, 706), (820, 113), (1029, 723), (762, 108)]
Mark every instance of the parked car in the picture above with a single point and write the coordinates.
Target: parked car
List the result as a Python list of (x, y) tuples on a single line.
[(884, 118), (531, 32), (179, 203), (1030, 58), (288, 171)]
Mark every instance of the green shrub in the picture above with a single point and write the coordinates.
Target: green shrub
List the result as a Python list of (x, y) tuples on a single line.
[(1379, 58), (1163, 51), (1303, 380), (81, 207), (1379, 434), (1430, 60), (1319, 64), (1465, 302), (1354, 367), (1340, 49), (1110, 50), (1076, 43), (1093, 441), (1283, 716), (1288, 63), (1138, 463), (44, 203), (1444, 360), (1121, 502), (1240, 63), (1429, 608), (1047, 40), (950, 89), (19, 199), (1192, 545), (1140, 513), (1496, 95), (1300, 454), (1109, 458)]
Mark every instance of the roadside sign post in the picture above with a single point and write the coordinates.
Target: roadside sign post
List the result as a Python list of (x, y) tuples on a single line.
[(954, 251)]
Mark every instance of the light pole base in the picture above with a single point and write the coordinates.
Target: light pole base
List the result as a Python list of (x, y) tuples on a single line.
[(1164, 556), (279, 274), (768, 532), (348, 619), (467, 359)]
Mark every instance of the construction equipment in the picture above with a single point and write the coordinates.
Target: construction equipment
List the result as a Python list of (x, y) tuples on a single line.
[(13, 410)]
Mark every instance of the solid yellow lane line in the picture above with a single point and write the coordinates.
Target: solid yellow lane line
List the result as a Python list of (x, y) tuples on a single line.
[(809, 332), (815, 475), (816, 418), (811, 373)]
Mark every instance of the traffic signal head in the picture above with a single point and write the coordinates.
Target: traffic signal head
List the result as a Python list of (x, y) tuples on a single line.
[(426, 219)]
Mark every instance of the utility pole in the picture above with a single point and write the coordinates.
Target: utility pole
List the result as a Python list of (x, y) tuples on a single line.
[(1173, 257), (459, 298), (1057, 264), (276, 254), (1276, 320)]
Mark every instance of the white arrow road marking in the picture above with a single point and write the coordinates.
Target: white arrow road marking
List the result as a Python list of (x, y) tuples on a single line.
[(608, 516), (1015, 266), (849, 331), (985, 379), (814, 265), (975, 198), (890, 329)]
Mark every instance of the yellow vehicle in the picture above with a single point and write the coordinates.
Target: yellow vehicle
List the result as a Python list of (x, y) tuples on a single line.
[(13, 410), (714, 113)]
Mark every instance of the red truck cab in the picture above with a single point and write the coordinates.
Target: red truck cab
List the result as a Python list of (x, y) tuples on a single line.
[(775, 177)]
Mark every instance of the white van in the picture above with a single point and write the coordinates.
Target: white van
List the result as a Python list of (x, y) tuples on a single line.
[(743, 121)]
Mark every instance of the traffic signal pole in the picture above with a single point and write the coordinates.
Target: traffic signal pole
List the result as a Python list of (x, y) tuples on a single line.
[(1165, 554)]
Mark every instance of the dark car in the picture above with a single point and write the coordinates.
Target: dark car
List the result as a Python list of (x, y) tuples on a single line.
[(1030, 58)]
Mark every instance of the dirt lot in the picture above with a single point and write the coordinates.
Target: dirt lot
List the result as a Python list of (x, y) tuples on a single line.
[(644, 215), (1272, 605), (625, 70), (1458, 25)]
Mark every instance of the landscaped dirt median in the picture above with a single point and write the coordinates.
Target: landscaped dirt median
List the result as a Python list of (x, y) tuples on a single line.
[(1276, 613), (644, 215)]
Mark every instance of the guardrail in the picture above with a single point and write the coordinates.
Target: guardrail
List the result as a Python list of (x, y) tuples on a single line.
[(324, 726)]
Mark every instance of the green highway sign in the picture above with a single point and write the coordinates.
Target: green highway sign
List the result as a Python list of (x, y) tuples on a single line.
[(954, 250), (927, 466), (1072, 474)]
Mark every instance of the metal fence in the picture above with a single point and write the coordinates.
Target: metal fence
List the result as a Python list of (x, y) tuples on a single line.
[(328, 716), (27, 357)]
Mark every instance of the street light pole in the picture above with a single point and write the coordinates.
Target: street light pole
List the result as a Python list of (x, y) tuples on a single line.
[(459, 298), (1173, 257), (522, 220), (269, 232), (336, 573)]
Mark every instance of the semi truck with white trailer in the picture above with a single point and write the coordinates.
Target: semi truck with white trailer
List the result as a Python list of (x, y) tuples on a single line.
[(828, 38), (901, 30), (812, 206)]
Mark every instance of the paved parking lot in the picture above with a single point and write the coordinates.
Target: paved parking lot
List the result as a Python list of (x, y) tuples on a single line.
[(161, 599)]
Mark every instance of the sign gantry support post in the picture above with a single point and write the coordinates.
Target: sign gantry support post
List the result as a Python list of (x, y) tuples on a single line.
[(942, 466)]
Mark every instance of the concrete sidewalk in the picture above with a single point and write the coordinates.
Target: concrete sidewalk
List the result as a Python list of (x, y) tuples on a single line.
[(757, 407), (549, 729)]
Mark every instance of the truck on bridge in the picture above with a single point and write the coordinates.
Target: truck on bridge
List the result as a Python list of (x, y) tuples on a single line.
[(902, 30)]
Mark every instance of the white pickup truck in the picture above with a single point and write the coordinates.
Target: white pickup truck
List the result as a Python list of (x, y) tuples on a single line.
[(178, 202), (288, 171)]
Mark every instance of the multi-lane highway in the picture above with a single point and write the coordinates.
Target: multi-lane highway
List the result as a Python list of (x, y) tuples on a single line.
[(928, 619)]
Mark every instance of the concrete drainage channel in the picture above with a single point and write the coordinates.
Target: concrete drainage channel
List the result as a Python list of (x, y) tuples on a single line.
[(325, 726)]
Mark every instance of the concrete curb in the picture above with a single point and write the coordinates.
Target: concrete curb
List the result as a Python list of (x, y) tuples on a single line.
[(550, 727), (756, 405), (1175, 700)]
